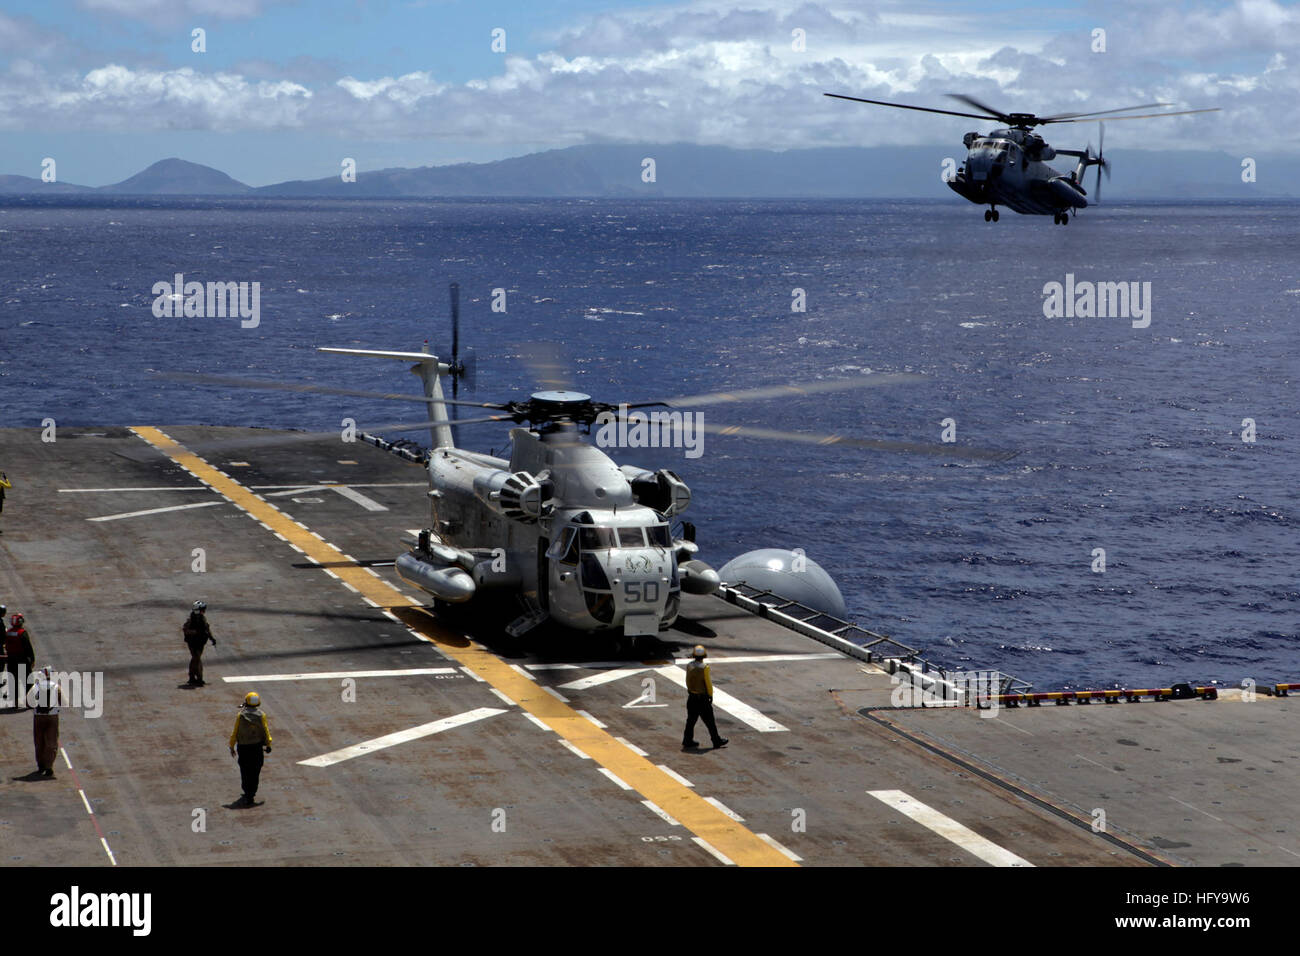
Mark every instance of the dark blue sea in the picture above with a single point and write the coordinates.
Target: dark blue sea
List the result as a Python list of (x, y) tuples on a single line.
[(1128, 439)]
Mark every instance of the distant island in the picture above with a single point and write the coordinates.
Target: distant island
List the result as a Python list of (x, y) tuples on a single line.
[(689, 171)]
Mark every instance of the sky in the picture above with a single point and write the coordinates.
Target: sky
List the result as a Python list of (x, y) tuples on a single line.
[(287, 90)]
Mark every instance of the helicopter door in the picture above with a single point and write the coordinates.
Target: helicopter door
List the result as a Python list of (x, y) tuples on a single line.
[(560, 576)]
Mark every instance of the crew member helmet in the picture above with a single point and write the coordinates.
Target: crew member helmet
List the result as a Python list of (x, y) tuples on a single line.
[(200, 606), (699, 652), (252, 700), (17, 620)]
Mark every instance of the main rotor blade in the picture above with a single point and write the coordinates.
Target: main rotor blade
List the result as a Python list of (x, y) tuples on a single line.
[(1123, 109), (917, 448), (792, 391), (1116, 119), (971, 101), (904, 106), (236, 382)]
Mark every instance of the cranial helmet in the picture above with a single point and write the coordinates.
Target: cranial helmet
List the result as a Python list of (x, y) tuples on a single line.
[(17, 620), (200, 606), (252, 700), (699, 652)]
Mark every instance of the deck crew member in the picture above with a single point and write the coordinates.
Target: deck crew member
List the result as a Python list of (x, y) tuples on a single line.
[(249, 741), (45, 700), (197, 634), (19, 658), (699, 700), (4, 483)]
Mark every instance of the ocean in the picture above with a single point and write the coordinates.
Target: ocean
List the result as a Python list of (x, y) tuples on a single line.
[(1128, 429)]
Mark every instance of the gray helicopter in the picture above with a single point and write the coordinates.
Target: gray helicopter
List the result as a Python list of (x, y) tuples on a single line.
[(1008, 167), (577, 539)]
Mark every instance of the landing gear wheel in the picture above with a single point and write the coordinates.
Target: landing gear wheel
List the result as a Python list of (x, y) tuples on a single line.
[(1065, 219), (1056, 219), (995, 215), (988, 215)]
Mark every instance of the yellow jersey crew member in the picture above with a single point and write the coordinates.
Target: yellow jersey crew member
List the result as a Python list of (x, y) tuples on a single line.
[(249, 741), (699, 700)]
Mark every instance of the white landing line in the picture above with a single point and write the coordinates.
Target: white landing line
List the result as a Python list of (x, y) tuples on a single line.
[(724, 809), (716, 854), (660, 812), (724, 701), (779, 848), (674, 774), (948, 828), (370, 504), (158, 511), (618, 780), (631, 746), (595, 680), (82, 491), (402, 736), (339, 675)]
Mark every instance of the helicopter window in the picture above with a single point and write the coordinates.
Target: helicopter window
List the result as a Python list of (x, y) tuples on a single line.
[(596, 539), (631, 538), (565, 548), (658, 535), (593, 574)]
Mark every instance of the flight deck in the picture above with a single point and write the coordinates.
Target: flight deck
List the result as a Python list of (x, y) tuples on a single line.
[(402, 737)]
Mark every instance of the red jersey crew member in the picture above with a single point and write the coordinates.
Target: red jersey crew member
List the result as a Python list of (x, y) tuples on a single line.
[(19, 658), (699, 700), (250, 739)]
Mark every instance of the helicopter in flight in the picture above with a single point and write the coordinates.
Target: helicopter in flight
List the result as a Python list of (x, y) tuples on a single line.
[(576, 538), (1009, 166)]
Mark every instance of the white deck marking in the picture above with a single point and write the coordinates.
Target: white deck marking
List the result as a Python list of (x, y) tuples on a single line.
[(779, 848), (338, 675), (373, 484), (521, 672), (618, 780), (556, 694), (660, 812), (566, 744), (539, 723), (733, 706), (82, 491), (296, 490), (370, 504), (595, 680), (602, 726), (767, 658), (630, 746), (402, 736), (158, 511), (717, 854), (948, 828), (507, 700), (725, 809), (674, 774), (473, 675)]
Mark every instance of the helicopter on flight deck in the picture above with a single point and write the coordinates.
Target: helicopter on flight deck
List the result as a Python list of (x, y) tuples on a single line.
[(576, 538), (1009, 167)]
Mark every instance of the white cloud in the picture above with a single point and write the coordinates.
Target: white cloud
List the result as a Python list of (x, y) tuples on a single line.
[(711, 72)]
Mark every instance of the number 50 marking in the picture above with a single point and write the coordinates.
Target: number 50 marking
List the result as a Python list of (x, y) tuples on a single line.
[(641, 592)]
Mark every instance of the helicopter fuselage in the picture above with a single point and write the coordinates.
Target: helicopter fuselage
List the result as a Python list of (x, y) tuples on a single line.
[(567, 532), (1007, 167)]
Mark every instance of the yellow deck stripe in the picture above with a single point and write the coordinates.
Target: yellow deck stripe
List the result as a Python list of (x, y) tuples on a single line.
[(735, 841)]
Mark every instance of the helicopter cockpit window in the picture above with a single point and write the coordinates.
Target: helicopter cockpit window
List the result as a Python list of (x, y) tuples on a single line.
[(596, 539), (565, 548), (658, 536), (631, 538)]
